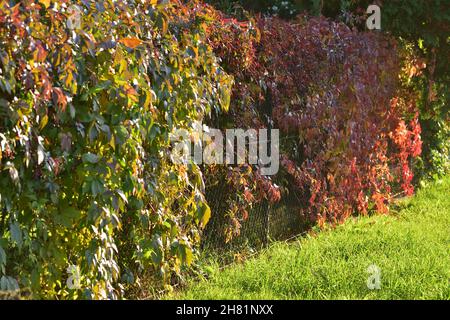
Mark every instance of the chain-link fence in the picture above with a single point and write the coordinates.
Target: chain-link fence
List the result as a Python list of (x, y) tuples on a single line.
[(265, 222)]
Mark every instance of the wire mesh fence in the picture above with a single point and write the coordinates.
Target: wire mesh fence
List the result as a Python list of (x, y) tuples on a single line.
[(265, 222)]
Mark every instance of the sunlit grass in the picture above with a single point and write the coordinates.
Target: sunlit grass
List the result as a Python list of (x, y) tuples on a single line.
[(411, 247)]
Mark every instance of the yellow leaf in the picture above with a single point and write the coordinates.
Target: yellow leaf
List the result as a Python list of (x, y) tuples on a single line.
[(46, 3), (112, 142), (205, 214), (131, 42), (148, 99), (44, 122)]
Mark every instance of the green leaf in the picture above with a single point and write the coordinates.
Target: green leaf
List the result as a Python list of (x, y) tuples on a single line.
[(204, 214), (97, 187), (90, 158), (187, 255), (8, 284), (16, 234), (2, 259), (68, 216), (102, 86), (122, 195)]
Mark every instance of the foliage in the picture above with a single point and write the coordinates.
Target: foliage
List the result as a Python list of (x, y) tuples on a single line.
[(349, 130), (234, 42), (90, 93), (347, 136), (423, 28), (85, 116)]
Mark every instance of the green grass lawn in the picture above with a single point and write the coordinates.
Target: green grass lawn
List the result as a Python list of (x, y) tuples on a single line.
[(411, 247)]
